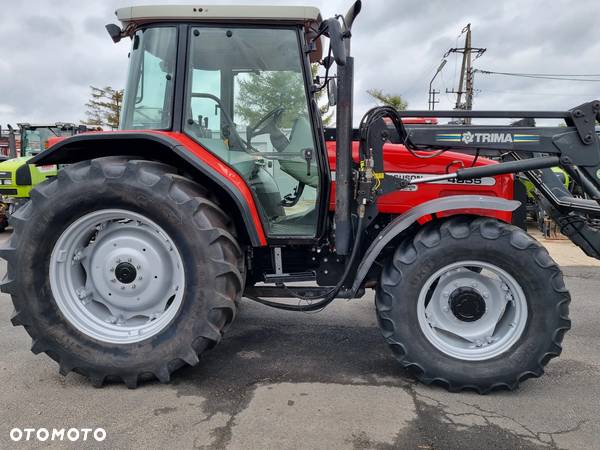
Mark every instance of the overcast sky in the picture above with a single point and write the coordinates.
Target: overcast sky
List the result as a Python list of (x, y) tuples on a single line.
[(53, 50)]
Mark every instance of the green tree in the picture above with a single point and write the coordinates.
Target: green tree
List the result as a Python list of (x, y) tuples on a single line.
[(104, 107), (262, 92), (395, 101)]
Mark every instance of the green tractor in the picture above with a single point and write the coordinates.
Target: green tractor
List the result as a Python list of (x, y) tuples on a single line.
[(17, 178), (534, 211)]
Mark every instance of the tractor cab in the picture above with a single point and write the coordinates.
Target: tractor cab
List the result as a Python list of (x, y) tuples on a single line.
[(242, 91), (35, 138)]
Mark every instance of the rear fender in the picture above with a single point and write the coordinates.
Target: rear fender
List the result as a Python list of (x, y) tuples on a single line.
[(176, 150), (404, 221)]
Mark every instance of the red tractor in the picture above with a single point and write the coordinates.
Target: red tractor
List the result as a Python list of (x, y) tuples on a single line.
[(223, 184)]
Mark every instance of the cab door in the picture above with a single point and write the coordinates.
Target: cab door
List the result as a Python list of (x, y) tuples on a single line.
[(248, 104)]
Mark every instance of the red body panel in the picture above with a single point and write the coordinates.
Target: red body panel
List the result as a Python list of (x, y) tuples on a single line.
[(398, 160), (54, 140)]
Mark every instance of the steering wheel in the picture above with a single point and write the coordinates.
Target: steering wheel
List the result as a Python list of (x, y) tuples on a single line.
[(266, 124), (234, 136)]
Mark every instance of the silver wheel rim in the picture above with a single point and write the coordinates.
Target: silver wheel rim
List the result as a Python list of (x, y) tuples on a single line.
[(117, 276), (472, 310)]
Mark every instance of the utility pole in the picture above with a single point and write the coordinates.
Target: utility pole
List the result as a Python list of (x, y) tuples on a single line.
[(465, 85), (432, 98)]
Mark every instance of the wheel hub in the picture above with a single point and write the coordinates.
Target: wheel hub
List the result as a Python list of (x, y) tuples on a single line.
[(472, 310), (117, 276), (125, 273), (467, 304)]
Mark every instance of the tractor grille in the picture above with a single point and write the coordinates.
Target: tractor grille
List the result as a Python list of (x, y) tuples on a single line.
[(6, 191)]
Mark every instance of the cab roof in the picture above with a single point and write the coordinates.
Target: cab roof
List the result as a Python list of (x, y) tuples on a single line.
[(137, 15), (46, 125)]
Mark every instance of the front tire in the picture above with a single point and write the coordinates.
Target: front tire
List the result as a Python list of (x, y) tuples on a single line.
[(472, 303), (122, 269)]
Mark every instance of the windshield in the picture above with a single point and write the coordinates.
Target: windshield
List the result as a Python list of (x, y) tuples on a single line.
[(148, 102), (35, 140)]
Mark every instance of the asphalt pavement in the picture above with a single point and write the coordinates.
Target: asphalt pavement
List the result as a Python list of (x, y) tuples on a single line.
[(282, 380)]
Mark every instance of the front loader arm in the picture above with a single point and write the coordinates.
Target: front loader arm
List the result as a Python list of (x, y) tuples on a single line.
[(531, 150), (575, 147)]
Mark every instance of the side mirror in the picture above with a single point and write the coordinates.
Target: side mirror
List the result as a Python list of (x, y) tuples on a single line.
[(332, 92), (114, 32), (333, 30)]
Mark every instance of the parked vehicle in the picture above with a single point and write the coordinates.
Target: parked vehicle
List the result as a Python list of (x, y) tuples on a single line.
[(131, 262), (17, 177)]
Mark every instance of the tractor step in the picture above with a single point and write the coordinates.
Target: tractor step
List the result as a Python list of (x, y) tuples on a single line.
[(274, 278), (303, 291)]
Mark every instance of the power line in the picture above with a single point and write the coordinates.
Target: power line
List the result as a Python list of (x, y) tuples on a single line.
[(546, 94), (540, 77), (552, 74)]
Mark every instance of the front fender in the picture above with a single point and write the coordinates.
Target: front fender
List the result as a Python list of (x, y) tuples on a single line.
[(404, 221)]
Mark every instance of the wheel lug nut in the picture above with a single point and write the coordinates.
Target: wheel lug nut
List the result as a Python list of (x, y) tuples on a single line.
[(140, 279), (128, 259), (114, 280), (122, 288), (138, 267), (112, 269), (133, 286)]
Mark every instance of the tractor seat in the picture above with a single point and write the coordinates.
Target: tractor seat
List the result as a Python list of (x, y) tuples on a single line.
[(301, 138)]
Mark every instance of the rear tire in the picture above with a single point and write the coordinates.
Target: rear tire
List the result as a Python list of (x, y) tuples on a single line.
[(440, 344), (176, 214)]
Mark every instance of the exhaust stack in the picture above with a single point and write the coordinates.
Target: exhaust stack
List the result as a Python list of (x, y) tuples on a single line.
[(343, 170)]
